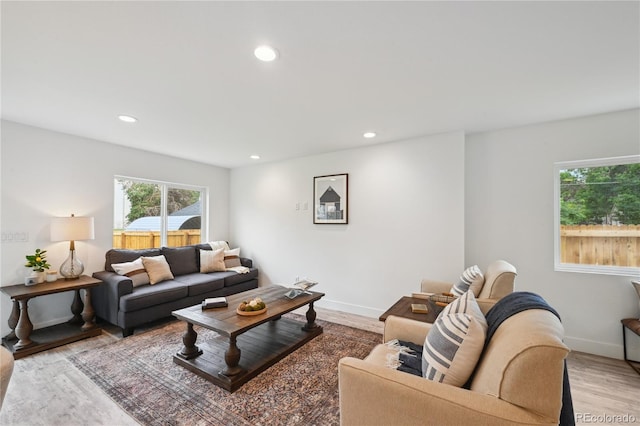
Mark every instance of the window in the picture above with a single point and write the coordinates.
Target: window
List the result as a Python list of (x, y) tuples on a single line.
[(597, 216), (154, 214)]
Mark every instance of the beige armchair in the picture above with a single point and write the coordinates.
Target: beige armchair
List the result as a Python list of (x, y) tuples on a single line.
[(6, 368), (518, 379), (498, 282)]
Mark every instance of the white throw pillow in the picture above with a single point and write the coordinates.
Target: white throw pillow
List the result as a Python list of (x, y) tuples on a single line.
[(134, 270), (157, 268), (454, 343), (471, 279), (212, 261)]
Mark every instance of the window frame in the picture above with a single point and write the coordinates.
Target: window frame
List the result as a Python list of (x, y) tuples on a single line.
[(576, 267), (164, 189)]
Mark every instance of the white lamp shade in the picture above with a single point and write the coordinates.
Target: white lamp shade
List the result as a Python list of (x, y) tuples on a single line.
[(72, 228)]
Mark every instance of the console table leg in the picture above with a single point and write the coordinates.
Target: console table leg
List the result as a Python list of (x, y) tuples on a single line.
[(24, 328), (13, 320), (76, 308), (232, 358), (311, 319), (88, 314), (189, 350)]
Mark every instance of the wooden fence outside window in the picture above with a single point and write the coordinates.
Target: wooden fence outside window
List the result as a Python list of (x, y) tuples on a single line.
[(580, 244), (151, 239), (607, 245)]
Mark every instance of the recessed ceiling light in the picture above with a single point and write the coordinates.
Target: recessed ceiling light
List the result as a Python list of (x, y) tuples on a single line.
[(254, 157), (369, 135), (127, 118), (266, 53)]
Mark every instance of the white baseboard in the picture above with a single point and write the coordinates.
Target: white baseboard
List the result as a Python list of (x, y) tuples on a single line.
[(365, 311), (608, 350)]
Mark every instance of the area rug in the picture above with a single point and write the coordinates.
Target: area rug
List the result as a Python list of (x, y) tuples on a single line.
[(139, 374)]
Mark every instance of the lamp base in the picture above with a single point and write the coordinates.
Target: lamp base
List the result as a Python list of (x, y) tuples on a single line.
[(72, 267)]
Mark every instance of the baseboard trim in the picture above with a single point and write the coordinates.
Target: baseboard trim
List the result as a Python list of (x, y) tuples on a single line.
[(349, 308), (593, 347)]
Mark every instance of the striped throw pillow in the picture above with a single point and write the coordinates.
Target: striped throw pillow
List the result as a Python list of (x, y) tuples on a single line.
[(232, 258), (471, 279), (134, 270), (454, 344)]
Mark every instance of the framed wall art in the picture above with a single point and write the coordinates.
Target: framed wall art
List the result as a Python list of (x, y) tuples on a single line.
[(330, 199)]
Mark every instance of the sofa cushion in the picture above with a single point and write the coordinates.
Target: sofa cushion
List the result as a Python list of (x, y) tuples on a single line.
[(201, 283), (134, 270), (124, 255), (233, 278), (182, 260), (151, 295), (454, 344), (471, 279), (212, 261), (157, 268)]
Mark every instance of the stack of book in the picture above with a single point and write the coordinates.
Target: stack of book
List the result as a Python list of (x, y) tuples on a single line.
[(214, 302)]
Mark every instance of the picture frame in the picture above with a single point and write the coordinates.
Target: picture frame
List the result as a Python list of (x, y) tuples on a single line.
[(331, 199)]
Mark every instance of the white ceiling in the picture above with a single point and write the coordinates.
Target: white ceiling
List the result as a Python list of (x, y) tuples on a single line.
[(186, 70)]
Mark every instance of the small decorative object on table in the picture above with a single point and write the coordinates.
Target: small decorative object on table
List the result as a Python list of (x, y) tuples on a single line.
[(52, 276), (301, 287), (442, 299), (214, 302), (419, 308), (253, 307), (38, 263)]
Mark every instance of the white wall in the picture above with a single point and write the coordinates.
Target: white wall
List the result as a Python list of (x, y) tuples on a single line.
[(406, 221), (509, 214), (409, 215), (46, 174)]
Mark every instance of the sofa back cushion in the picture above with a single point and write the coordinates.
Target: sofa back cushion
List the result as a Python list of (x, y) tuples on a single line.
[(525, 355), (125, 255), (181, 260)]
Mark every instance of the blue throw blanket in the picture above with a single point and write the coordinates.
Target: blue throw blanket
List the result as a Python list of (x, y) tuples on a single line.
[(506, 307)]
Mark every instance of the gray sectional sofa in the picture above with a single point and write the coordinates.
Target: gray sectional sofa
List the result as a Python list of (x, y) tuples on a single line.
[(118, 302)]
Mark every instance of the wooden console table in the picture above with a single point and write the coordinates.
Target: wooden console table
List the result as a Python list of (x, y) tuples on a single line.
[(23, 340)]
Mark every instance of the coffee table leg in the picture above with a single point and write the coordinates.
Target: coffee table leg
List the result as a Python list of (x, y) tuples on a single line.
[(232, 358), (311, 319), (189, 350)]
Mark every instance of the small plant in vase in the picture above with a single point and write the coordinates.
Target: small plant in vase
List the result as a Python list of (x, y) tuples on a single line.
[(38, 263)]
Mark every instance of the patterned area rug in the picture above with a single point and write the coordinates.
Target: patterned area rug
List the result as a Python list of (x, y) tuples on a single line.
[(302, 389)]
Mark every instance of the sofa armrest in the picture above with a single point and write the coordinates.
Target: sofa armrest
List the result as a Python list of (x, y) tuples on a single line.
[(376, 395), (247, 263), (433, 286), (106, 296), (405, 329)]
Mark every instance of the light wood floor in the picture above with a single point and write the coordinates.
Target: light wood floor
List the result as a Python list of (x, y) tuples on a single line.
[(46, 389)]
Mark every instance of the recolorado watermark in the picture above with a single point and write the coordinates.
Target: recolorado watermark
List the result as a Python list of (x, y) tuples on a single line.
[(606, 418)]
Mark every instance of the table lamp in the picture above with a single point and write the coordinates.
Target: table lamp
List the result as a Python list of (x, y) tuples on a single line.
[(71, 229)]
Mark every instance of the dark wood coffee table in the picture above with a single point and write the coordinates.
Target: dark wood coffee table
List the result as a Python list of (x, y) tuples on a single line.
[(262, 340), (402, 308)]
